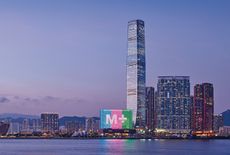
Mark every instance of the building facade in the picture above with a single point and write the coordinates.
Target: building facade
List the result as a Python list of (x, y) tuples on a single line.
[(150, 108), (92, 124), (72, 126), (14, 128), (36, 125), (224, 131), (173, 105), (25, 125), (136, 72), (4, 128), (203, 109), (49, 122), (218, 123), (226, 117)]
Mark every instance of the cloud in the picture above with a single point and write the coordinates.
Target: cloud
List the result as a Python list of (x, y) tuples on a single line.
[(4, 99), (50, 98), (38, 104), (16, 97), (43, 101)]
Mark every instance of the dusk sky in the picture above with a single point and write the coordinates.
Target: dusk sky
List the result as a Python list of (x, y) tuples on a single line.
[(70, 56)]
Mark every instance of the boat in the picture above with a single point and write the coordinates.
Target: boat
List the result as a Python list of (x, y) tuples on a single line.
[(4, 127)]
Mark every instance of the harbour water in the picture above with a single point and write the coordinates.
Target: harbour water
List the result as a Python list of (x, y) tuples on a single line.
[(113, 146)]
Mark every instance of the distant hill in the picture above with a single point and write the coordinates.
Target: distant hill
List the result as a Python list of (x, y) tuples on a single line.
[(65, 119), (16, 116), (78, 119)]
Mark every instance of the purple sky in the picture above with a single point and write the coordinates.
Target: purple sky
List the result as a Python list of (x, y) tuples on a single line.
[(69, 56)]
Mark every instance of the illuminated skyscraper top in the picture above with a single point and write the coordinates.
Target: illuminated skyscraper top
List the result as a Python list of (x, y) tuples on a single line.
[(136, 72)]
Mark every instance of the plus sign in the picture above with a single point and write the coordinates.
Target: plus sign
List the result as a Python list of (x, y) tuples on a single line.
[(122, 118)]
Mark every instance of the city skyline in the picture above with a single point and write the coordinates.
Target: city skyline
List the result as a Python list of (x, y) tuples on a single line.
[(85, 67)]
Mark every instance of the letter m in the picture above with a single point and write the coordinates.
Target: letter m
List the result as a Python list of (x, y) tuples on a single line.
[(110, 120)]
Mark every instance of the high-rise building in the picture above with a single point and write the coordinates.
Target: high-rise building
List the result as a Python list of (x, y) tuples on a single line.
[(25, 125), (173, 105), (225, 130), (191, 115), (36, 125), (4, 128), (150, 107), (72, 126), (218, 122), (49, 122), (203, 108), (92, 124), (136, 72), (14, 128), (226, 117)]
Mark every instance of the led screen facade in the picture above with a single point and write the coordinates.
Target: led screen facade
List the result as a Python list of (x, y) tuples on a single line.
[(116, 119)]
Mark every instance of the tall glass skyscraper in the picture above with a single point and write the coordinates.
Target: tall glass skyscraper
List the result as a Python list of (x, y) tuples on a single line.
[(136, 72)]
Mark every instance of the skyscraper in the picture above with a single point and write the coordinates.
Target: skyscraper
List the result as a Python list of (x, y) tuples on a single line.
[(218, 122), (25, 125), (92, 124), (203, 108), (49, 122), (36, 125), (14, 128), (136, 72), (150, 107), (173, 104)]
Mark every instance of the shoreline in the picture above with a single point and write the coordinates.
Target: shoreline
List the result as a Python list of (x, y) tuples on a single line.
[(109, 138)]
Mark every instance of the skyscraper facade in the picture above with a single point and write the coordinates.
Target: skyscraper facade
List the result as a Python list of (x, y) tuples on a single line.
[(25, 125), (150, 108), (203, 108), (49, 122), (36, 125), (92, 124), (136, 72), (218, 122), (173, 105)]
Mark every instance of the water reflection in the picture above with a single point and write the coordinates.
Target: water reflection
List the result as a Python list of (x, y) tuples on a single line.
[(117, 146), (114, 146)]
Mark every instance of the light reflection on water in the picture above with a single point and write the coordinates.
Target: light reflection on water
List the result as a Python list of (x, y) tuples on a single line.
[(114, 146), (117, 146)]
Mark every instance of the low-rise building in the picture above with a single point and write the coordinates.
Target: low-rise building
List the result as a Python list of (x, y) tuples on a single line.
[(224, 131)]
